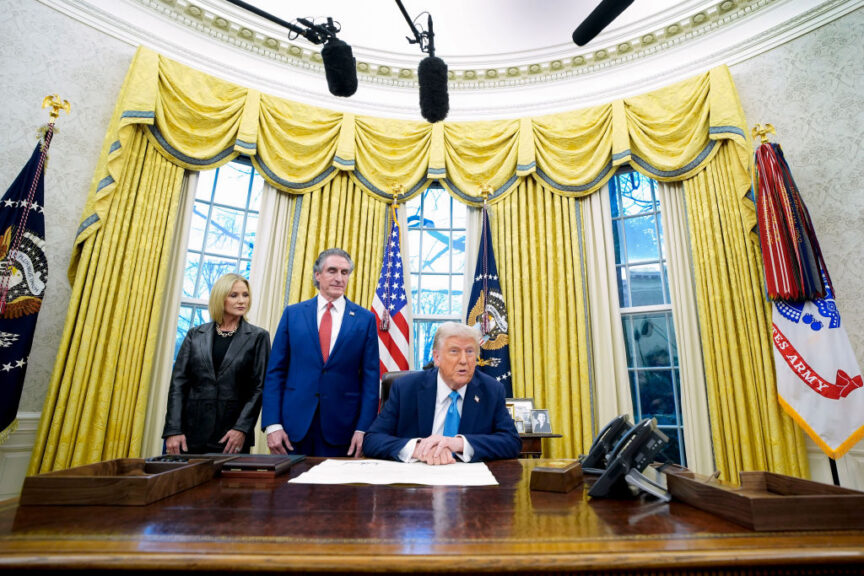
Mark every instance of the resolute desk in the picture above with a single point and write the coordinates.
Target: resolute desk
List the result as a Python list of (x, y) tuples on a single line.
[(252, 525)]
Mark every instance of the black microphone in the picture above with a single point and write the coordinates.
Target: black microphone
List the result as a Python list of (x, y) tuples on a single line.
[(600, 17), (339, 67), (434, 101)]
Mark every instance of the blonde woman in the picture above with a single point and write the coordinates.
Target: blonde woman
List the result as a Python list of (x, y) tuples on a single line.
[(215, 393)]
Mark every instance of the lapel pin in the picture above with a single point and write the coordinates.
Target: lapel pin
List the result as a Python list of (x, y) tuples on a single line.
[(350, 313), (476, 398)]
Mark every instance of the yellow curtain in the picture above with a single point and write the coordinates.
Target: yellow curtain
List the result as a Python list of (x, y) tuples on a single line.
[(346, 169), (542, 286), (749, 429), (98, 392)]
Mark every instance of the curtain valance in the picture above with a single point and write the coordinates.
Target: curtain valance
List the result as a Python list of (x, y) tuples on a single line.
[(198, 121)]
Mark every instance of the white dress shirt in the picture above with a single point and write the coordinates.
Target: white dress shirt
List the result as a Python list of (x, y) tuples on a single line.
[(442, 404)]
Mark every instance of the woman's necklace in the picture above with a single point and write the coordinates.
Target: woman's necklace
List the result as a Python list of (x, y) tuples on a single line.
[(225, 333)]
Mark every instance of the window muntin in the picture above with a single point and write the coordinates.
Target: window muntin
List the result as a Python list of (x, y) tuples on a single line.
[(646, 311)]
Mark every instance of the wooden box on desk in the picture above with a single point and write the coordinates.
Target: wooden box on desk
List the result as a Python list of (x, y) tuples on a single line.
[(556, 475), (121, 482), (768, 501)]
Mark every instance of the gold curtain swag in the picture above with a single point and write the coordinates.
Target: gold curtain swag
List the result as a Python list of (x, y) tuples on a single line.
[(199, 122), (327, 158)]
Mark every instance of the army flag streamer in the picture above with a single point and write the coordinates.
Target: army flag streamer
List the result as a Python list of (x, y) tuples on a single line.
[(23, 275), (389, 303), (486, 309), (819, 382)]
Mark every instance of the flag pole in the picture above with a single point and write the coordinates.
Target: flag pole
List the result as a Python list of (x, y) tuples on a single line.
[(52, 100)]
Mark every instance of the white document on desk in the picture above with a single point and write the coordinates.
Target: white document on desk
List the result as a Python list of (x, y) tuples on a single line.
[(389, 472)]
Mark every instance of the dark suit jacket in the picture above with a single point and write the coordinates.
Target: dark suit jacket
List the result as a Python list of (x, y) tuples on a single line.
[(410, 410), (204, 405), (345, 389)]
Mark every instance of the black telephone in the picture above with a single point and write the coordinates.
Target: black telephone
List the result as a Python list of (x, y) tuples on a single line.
[(595, 461), (633, 453)]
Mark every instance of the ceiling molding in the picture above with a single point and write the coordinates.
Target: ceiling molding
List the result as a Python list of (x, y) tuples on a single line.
[(220, 38)]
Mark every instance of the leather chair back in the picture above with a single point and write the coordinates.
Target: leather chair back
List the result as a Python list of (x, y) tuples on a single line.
[(387, 382)]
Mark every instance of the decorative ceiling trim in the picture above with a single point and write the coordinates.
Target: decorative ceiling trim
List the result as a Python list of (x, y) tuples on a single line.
[(261, 40), (214, 36)]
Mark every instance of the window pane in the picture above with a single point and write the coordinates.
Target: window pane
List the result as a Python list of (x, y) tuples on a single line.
[(456, 295), (206, 179), (414, 249), (458, 252), (233, 186), (245, 268), (412, 211), (249, 237), (415, 293), (646, 285), (436, 246), (190, 315), (435, 296), (198, 225), (636, 194), (224, 234), (424, 332), (436, 208), (674, 450), (460, 215), (212, 268), (190, 273), (651, 339), (657, 396), (641, 239)]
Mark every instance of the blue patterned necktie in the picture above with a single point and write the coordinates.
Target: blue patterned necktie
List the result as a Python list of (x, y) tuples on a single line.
[(451, 421)]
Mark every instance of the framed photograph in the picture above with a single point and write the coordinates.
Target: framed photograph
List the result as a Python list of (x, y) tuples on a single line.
[(540, 421), (520, 426), (521, 409)]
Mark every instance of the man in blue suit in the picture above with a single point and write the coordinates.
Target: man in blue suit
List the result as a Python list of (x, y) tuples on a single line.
[(447, 412), (321, 390)]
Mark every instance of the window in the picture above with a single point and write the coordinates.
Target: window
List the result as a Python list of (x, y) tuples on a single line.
[(221, 237), (436, 248), (646, 312)]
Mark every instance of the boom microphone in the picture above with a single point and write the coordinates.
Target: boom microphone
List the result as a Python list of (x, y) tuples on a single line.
[(340, 67), (600, 17), (434, 101)]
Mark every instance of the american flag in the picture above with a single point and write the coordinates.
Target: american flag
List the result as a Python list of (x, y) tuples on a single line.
[(389, 305)]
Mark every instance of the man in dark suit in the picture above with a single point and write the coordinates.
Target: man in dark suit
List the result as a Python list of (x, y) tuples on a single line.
[(321, 389), (445, 413)]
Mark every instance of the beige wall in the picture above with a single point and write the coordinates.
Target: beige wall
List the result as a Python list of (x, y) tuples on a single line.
[(809, 88)]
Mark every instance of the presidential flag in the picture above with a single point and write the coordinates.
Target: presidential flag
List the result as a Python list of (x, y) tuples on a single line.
[(819, 383), (23, 275), (486, 309), (389, 305)]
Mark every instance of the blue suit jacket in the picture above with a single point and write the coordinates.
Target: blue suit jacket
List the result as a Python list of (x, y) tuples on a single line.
[(410, 410), (345, 389)]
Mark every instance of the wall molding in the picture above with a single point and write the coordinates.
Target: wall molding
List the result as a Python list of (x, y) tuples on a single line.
[(15, 454)]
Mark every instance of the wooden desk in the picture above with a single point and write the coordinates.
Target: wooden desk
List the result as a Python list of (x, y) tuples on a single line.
[(532, 444), (270, 525)]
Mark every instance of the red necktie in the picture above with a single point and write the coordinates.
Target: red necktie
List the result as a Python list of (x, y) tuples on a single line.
[(324, 331)]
